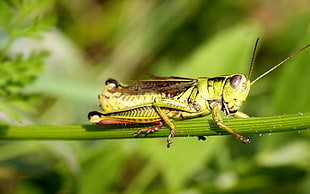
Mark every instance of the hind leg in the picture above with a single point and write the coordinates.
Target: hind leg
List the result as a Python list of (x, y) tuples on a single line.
[(150, 130)]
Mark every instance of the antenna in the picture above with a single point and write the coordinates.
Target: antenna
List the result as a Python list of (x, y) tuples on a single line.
[(253, 58), (278, 65)]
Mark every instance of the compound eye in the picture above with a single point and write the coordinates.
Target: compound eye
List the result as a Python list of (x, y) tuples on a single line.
[(235, 81), (114, 83)]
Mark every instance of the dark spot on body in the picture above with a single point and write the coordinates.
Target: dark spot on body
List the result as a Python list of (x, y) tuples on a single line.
[(115, 83)]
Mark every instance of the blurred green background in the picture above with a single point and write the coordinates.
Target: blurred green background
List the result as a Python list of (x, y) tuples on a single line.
[(69, 48)]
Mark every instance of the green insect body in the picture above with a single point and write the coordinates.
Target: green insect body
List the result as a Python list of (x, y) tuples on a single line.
[(163, 98)]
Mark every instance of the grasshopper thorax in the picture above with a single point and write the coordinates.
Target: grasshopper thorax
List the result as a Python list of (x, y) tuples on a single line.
[(235, 91)]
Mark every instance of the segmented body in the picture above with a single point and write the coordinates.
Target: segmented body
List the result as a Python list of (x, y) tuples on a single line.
[(193, 99), (170, 98), (163, 98)]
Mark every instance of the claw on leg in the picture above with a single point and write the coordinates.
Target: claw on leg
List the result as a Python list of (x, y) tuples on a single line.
[(243, 139), (149, 130), (156, 128), (171, 135)]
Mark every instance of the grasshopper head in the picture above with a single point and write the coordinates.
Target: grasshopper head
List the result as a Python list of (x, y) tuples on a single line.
[(235, 92)]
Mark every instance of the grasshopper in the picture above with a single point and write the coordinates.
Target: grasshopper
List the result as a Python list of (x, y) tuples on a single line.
[(160, 99)]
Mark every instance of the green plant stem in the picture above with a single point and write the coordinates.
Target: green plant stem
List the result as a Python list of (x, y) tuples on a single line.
[(191, 127)]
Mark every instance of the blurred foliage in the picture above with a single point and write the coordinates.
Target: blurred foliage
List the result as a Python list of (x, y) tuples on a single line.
[(93, 40), (18, 20)]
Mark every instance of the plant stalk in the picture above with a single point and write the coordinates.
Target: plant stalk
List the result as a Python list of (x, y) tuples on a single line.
[(190, 127)]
